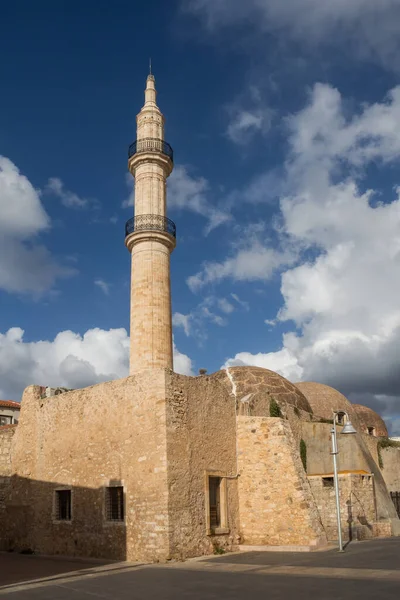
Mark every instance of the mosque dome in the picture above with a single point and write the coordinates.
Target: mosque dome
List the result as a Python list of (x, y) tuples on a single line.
[(259, 386), (370, 421), (324, 399)]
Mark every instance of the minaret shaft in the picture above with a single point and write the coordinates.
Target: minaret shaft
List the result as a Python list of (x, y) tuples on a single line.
[(150, 237), (150, 189)]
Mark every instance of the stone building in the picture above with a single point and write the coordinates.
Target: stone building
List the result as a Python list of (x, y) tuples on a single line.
[(236, 459), (9, 412)]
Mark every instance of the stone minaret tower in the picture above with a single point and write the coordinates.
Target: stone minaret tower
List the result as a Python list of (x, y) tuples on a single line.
[(150, 238)]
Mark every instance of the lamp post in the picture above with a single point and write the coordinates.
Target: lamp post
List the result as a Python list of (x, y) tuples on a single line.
[(347, 429)]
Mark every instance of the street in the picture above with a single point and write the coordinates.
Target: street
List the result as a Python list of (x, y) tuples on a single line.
[(366, 570)]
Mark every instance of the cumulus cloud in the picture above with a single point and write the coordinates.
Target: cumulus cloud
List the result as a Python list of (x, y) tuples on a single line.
[(343, 292), (370, 27), (254, 262), (25, 265), (70, 360)]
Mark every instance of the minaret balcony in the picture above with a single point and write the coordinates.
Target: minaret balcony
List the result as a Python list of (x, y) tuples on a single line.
[(151, 145), (142, 223)]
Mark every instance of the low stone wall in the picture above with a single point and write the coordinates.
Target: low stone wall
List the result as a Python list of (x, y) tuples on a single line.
[(275, 502), (357, 505)]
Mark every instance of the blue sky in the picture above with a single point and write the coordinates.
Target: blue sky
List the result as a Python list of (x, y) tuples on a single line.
[(284, 120)]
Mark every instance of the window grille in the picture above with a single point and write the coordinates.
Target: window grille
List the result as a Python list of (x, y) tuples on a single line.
[(63, 505), (215, 501), (115, 503)]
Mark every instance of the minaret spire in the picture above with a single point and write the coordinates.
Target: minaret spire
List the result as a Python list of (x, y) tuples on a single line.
[(150, 237)]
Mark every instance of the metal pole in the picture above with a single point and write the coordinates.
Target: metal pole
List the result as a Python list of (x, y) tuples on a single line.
[(336, 481)]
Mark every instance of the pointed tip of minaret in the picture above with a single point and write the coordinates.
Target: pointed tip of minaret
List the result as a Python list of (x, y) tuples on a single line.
[(150, 76)]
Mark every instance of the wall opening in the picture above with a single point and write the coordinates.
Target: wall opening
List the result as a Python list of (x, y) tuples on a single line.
[(215, 502), (63, 506), (327, 482), (115, 509)]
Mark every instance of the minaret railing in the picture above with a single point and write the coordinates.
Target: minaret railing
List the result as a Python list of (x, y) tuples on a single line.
[(150, 223), (151, 145)]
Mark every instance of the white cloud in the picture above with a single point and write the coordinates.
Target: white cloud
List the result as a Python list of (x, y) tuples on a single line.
[(70, 360), (25, 265), (245, 123), (225, 306), (255, 262), (182, 363), (180, 320), (370, 27), (186, 192), (206, 312), (343, 295), (69, 199), (242, 303), (103, 285), (275, 361)]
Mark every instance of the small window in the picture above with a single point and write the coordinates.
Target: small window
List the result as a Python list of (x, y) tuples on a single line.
[(4, 420), (340, 419), (371, 431), (327, 482), (215, 501), (115, 503), (63, 505)]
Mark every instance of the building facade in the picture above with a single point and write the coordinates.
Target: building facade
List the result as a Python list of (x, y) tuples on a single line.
[(236, 459), (9, 412)]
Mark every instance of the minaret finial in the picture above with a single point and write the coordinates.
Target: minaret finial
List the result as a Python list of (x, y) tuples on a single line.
[(150, 73)]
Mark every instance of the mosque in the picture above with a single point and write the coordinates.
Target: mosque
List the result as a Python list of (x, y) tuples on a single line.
[(161, 466)]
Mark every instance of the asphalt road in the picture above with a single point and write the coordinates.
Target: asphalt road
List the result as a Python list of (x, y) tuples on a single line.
[(366, 570)]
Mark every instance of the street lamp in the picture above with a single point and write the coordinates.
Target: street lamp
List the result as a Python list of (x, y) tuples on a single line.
[(347, 429)]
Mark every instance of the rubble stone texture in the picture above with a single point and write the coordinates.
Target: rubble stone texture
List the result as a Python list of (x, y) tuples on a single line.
[(257, 386)]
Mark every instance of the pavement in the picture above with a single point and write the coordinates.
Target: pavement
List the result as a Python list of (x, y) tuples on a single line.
[(367, 570)]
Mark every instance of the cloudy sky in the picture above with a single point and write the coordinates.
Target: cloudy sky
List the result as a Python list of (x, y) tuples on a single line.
[(285, 121)]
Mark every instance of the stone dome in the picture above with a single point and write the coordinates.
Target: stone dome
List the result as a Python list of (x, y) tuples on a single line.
[(324, 399), (258, 386), (371, 422)]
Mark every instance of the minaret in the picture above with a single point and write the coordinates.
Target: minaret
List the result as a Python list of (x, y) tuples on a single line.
[(150, 238)]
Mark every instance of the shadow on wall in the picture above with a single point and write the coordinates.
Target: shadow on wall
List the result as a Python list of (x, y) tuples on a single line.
[(53, 518)]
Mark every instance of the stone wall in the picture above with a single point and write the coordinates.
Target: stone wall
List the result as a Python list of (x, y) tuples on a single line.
[(357, 505), (201, 441), (317, 437), (6, 436), (275, 502), (391, 468), (79, 440)]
